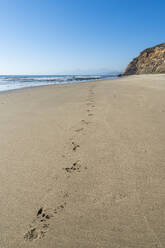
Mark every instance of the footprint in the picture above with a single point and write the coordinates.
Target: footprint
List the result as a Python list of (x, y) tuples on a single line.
[(40, 225), (75, 167), (66, 195), (33, 234), (80, 129), (39, 211), (75, 146), (85, 122), (90, 114), (60, 208)]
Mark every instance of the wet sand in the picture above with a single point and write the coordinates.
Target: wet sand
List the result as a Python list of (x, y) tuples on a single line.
[(83, 165)]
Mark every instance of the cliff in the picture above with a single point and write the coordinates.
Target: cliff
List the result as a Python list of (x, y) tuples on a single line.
[(151, 60)]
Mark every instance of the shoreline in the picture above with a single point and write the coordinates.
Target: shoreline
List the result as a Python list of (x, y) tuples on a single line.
[(55, 85), (64, 83), (83, 166), (84, 82)]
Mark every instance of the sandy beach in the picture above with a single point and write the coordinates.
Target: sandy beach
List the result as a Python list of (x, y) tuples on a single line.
[(83, 165)]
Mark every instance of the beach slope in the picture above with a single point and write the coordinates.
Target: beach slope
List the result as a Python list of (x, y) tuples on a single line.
[(82, 165)]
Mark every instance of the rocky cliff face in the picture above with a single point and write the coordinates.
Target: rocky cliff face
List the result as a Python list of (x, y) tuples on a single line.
[(151, 60)]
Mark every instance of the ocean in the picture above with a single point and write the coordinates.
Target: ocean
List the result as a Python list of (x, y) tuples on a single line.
[(18, 82)]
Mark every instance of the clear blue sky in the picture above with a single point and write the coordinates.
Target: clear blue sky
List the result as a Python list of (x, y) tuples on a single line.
[(76, 36)]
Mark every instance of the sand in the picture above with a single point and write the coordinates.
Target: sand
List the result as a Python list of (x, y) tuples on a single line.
[(83, 165)]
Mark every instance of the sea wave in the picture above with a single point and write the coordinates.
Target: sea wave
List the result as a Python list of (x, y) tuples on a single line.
[(17, 82)]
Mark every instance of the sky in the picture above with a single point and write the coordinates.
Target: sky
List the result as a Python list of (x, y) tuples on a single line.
[(76, 36)]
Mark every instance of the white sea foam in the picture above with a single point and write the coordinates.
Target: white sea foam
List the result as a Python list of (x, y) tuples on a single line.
[(18, 82)]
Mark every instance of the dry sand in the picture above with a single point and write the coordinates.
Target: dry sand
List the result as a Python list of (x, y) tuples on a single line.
[(83, 165)]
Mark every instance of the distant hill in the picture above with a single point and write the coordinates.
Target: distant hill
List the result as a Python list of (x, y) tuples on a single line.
[(151, 60)]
